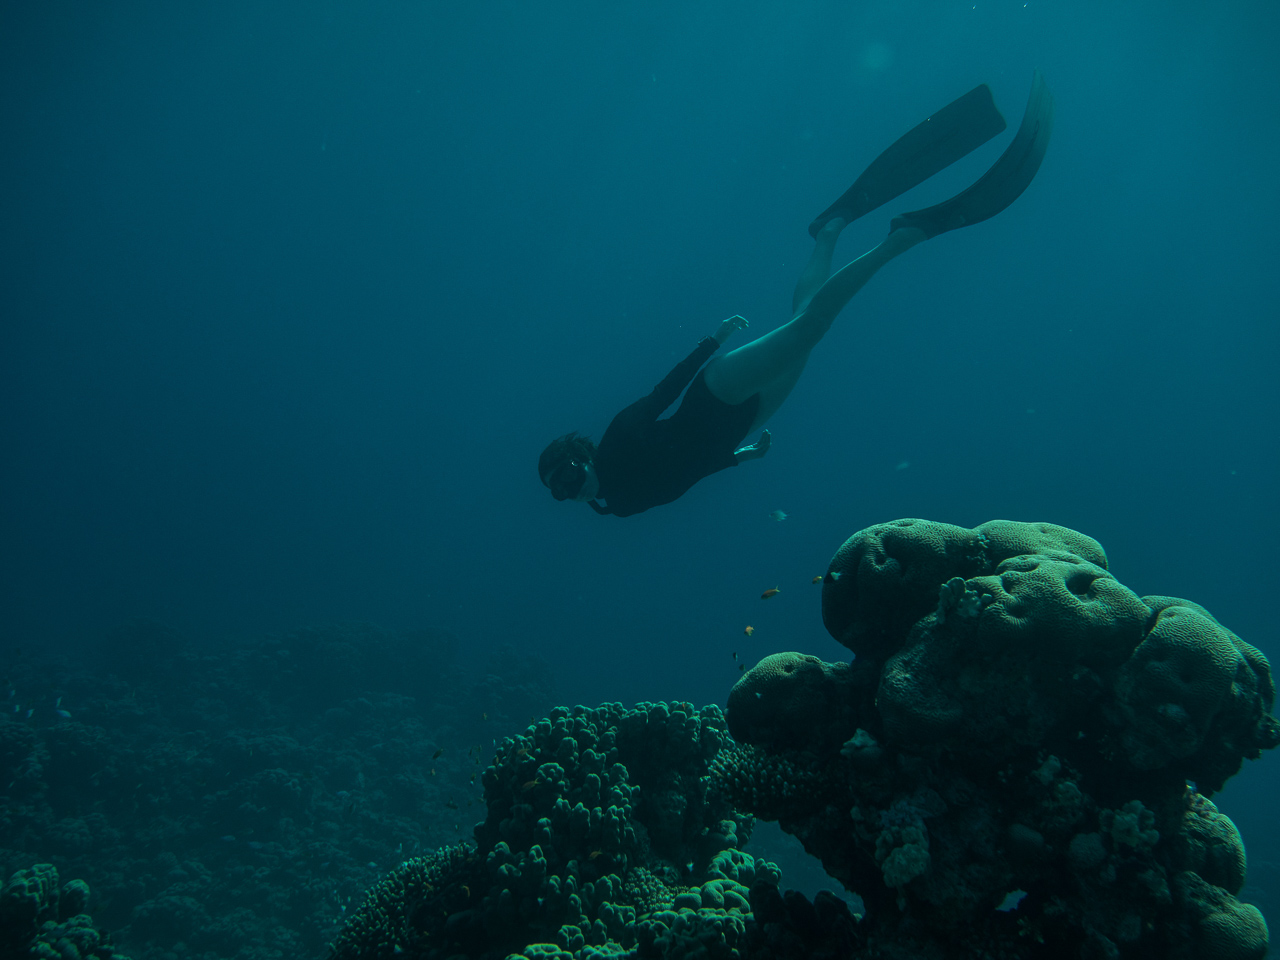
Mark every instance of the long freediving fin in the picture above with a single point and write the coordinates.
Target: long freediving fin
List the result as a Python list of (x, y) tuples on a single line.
[(1003, 183), (927, 148)]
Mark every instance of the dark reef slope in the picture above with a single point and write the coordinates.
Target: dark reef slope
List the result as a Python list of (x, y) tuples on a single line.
[(234, 802)]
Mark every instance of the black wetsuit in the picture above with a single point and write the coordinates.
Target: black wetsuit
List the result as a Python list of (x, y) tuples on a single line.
[(644, 462)]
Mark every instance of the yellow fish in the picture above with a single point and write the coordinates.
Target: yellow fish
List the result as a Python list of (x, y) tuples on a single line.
[(771, 592), (749, 630), (817, 579)]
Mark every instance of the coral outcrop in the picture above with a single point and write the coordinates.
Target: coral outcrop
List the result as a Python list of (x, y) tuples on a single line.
[(1029, 748), (40, 918)]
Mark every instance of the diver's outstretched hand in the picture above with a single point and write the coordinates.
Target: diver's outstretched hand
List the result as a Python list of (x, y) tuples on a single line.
[(728, 327), (757, 449)]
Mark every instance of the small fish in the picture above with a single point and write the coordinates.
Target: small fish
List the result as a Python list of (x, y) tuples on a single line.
[(748, 630), (451, 804), (594, 854), (742, 666), (735, 654), (437, 754), (484, 716), (433, 771), (834, 575), (64, 714), (57, 703), (771, 592), (817, 579), (778, 515), (30, 712)]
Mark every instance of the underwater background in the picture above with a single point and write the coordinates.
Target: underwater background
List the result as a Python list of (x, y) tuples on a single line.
[(294, 294)]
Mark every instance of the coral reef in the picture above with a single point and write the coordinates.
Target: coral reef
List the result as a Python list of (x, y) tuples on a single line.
[(1017, 763), (603, 838), (1029, 750)]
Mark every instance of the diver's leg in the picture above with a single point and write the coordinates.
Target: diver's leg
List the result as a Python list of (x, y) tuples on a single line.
[(779, 356), (818, 268)]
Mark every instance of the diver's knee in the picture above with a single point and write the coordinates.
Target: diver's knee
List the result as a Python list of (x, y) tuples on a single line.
[(810, 327)]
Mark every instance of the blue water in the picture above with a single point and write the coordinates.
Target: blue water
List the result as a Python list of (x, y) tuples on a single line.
[(293, 295)]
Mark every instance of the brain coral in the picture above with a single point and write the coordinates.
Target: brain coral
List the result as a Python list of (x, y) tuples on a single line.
[(788, 699), (887, 576), (1024, 730)]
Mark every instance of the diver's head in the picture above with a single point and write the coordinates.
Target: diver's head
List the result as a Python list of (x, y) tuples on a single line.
[(566, 468)]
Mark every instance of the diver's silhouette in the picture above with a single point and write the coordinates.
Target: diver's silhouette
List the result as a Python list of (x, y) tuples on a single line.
[(643, 461)]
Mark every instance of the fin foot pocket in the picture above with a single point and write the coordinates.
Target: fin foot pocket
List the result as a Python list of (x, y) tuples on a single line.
[(929, 147)]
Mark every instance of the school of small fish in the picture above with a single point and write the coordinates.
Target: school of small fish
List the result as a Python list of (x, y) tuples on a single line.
[(16, 706), (780, 515), (774, 591)]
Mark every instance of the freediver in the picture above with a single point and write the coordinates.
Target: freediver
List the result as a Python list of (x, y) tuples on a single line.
[(643, 461)]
